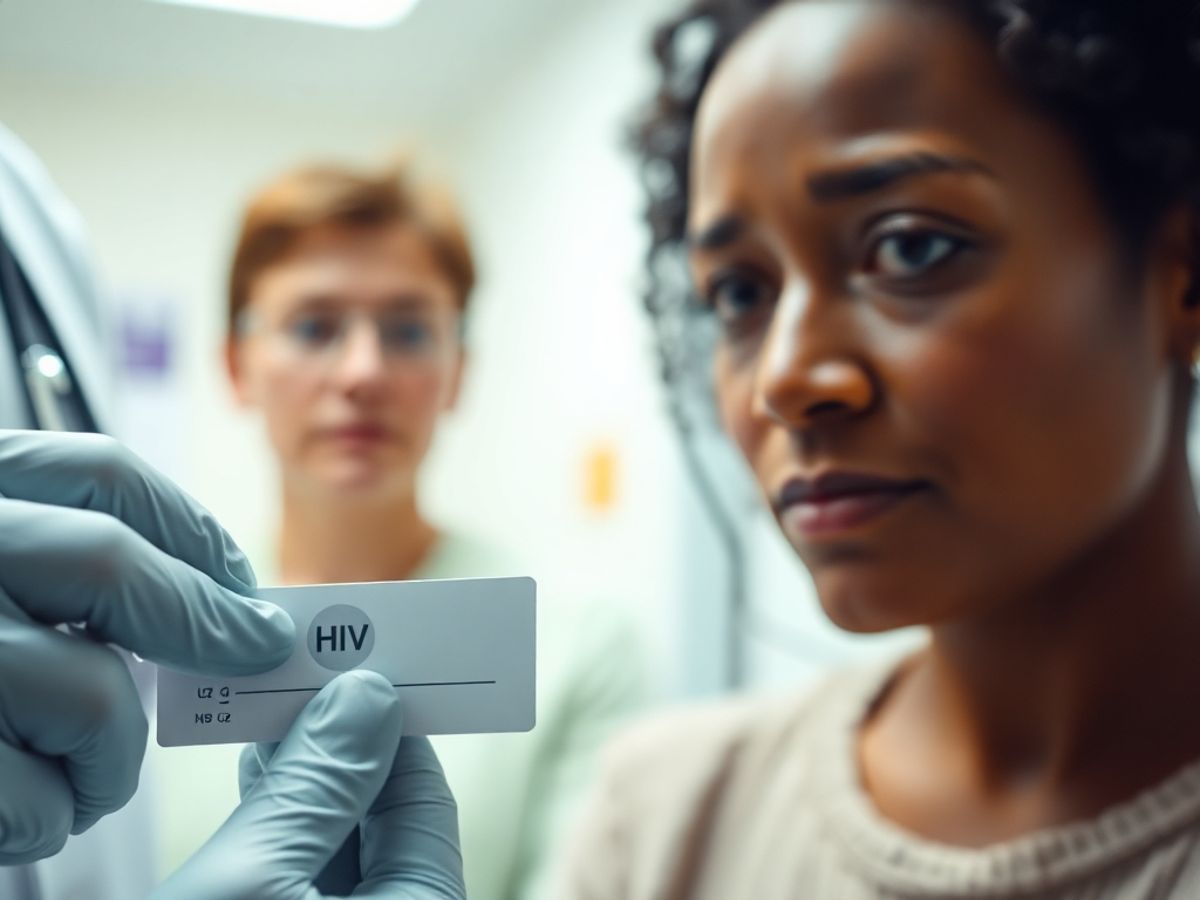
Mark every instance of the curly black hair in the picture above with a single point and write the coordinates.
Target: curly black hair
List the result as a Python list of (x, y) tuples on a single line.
[(1122, 76)]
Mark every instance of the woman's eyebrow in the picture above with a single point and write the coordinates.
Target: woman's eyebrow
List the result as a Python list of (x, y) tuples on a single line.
[(722, 232), (315, 301), (826, 187), (406, 301)]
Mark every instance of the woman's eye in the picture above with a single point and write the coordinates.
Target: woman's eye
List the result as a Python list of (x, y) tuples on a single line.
[(913, 253), (733, 297), (406, 334), (315, 330)]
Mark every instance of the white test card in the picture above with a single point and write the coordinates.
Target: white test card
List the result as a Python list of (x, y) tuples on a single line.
[(459, 652)]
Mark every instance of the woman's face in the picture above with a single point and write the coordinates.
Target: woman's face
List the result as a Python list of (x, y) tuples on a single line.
[(351, 351), (947, 385)]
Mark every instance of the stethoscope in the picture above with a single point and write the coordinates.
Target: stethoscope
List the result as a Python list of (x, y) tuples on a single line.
[(54, 399)]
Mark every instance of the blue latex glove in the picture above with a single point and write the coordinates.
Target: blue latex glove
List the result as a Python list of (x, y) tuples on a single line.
[(93, 537), (341, 766)]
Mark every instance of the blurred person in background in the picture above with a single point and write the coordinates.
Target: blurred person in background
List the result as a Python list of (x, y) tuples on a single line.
[(951, 250), (347, 299)]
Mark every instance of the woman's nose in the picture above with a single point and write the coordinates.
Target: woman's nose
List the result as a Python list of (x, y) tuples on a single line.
[(810, 373), (361, 357)]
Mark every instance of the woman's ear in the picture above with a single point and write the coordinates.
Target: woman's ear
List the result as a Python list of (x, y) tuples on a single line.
[(235, 369)]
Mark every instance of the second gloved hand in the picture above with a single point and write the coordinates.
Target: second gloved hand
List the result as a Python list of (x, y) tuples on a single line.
[(342, 765)]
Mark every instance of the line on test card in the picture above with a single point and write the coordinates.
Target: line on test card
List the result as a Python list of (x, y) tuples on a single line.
[(409, 684)]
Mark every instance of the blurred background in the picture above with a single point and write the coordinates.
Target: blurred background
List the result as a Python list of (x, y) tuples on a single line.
[(159, 120)]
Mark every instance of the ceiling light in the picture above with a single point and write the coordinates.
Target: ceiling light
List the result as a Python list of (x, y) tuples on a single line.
[(343, 13)]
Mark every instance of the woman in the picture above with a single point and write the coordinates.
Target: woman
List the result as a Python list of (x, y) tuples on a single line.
[(953, 251), (347, 298)]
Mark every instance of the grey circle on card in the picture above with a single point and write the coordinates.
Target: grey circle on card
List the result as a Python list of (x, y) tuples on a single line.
[(341, 637)]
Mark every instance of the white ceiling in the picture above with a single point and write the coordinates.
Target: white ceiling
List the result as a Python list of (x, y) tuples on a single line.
[(432, 64)]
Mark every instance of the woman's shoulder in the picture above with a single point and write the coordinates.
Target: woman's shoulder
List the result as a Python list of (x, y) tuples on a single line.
[(682, 787), (690, 752), (703, 736)]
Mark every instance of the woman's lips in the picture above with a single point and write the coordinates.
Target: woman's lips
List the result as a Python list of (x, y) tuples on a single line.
[(839, 502), (358, 434)]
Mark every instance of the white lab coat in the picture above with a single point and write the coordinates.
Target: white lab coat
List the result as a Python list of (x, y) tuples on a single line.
[(115, 859)]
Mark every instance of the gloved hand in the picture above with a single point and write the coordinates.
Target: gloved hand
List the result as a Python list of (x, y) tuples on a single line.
[(93, 537), (341, 765)]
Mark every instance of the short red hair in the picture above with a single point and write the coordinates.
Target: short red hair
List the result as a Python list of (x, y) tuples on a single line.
[(317, 197)]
